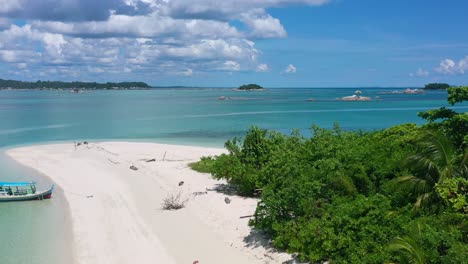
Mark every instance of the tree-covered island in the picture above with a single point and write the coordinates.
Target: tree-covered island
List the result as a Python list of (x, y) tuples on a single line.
[(12, 84), (436, 86), (249, 87), (397, 195)]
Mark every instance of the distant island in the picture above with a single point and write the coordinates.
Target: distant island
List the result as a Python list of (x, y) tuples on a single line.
[(12, 84), (436, 86), (248, 87)]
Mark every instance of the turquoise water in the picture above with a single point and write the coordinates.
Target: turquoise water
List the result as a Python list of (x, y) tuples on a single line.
[(186, 116)]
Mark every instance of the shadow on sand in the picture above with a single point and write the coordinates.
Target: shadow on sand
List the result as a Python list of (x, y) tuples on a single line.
[(257, 239)]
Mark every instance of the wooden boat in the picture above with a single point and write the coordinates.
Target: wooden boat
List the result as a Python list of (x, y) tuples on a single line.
[(22, 191)]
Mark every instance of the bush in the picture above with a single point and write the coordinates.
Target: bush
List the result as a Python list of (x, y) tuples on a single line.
[(333, 196), (204, 165), (173, 202)]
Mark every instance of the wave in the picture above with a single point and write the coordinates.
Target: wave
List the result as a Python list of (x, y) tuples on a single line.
[(26, 129)]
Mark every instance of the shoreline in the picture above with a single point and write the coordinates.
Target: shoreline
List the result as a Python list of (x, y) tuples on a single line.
[(116, 212), (50, 219)]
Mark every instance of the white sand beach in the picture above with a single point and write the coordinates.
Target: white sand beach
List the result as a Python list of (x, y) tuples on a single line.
[(116, 211)]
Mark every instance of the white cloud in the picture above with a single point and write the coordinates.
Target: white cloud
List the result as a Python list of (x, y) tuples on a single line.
[(226, 9), (420, 73), (18, 56), (187, 72), (449, 66), (80, 37), (4, 23), (290, 69), (262, 68), (149, 26), (263, 25), (22, 65), (9, 6), (231, 66)]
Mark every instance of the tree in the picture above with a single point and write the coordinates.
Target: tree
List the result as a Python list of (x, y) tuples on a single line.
[(435, 163), (450, 122)]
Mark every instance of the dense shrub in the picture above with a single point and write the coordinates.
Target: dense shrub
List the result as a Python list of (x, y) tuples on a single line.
[(339, 195)]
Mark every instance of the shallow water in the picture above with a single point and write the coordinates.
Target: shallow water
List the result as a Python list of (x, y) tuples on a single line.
[(38, 232)]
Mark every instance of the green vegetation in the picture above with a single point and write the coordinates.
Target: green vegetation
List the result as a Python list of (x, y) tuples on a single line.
[(450, 122), (397, 195), (436, 86), (250, 87), (205, 165), (69, 85)]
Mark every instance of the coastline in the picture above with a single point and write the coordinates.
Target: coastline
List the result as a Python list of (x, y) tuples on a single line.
[(116, 212)]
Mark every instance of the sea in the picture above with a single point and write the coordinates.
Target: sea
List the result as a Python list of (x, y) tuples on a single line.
[(39, 232)]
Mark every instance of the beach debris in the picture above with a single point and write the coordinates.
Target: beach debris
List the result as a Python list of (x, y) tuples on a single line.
[(246, 216), (85, 143), (181, 183), (78, 144), (227, 200), (199, 193), (89, 196), (196, 262), (151, 160), (164, 157), (173, 202), (133, 168)]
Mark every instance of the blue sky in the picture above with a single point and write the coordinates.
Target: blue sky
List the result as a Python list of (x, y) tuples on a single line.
[(276, 43)]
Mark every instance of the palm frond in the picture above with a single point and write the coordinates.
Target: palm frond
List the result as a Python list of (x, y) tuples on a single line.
[(438, 147), (422, 200), (418, 185), (408, 247), (423, 164)]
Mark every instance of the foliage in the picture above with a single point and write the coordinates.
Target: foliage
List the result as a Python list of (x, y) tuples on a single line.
[(204, 165), (436, 86), (436, 162), (457, 94), (251, 86), (450, 122), (339, 196), (454, 192), (69, 85)]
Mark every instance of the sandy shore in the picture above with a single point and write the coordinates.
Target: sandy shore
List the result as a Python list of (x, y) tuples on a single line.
[(116, 212)]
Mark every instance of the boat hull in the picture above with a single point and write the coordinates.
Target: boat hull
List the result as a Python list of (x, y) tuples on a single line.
[(47, 194)]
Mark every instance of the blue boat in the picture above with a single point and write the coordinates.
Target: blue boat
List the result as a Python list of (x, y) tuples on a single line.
[(23, 191)]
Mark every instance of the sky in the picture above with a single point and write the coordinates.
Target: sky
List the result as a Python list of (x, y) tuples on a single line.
[(226, 43)]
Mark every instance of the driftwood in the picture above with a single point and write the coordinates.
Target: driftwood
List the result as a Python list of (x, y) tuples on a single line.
[(246, 216), (133, 168), (151, 160)]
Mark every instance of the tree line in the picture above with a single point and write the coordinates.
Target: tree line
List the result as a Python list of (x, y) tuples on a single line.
[(69, 85)]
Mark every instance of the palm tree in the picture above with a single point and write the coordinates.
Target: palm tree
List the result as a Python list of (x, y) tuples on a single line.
[(436, 162)]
